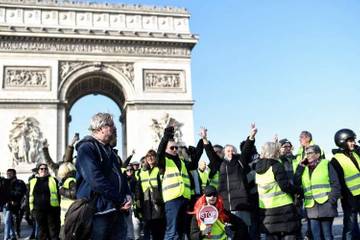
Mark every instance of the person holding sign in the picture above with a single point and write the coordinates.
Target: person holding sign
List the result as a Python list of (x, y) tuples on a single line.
[(212, 221)]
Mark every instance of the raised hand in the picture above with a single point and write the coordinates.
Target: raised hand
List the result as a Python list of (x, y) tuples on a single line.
[(203, 132), (253, 131)]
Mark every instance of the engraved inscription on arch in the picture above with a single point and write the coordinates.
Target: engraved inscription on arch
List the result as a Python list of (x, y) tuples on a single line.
[(160, 80), (19, 77)]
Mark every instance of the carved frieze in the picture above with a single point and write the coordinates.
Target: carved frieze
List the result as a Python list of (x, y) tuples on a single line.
[(71, 46), (25, 141), (158, 126), (160, 80), (66, 68), (26, 77)]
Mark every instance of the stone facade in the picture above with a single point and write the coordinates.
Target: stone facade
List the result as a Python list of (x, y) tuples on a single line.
[(54, 52)]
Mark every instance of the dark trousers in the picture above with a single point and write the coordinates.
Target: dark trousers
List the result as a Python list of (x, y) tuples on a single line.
[(154, 229), (350, 222), (175, 212), (322, 227), (49, 223), (109, 226)]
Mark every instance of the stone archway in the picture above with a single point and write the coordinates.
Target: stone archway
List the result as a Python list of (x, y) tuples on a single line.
[(54, 52), (96, 78)]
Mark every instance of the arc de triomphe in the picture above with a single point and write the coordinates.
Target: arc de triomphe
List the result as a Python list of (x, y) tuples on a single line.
[(54, 52)]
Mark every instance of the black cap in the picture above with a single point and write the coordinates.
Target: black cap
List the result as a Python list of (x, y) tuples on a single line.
[(283, 141), (210, 191)]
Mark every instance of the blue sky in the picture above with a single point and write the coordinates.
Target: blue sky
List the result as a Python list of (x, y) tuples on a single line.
[(288, 66)]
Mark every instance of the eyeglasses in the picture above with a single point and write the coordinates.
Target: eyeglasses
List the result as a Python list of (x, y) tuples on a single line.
[(211, 195), (308, 153), (174, 148), (43, 168)]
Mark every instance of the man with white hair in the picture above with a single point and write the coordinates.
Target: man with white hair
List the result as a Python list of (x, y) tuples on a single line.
[(233, 183), (98, 176)]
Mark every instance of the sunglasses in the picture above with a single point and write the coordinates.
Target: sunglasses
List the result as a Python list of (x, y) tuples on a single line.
[(211, 195), (43, 169), (174, 147)]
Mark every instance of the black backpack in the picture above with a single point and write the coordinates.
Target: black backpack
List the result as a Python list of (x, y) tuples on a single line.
[(78, 219)]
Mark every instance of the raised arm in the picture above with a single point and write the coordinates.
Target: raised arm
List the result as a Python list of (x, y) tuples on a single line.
[(160, 155), (52, 165), (215, 160), (70, 149), (247, 150)]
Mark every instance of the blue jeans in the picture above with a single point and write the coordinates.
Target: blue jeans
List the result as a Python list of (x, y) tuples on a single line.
[(109, 226), (350, 223), (322, 225), (175, 212), (9, 231)]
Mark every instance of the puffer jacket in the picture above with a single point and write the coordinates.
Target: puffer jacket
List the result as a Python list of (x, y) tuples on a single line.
[(98, 173), (233, 183), (282, 219)]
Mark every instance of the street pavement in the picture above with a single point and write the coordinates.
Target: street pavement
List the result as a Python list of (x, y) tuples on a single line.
[(26, 229)]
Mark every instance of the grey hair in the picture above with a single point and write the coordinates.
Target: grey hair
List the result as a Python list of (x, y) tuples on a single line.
[(100, 120), (270, 150), (229, 145)]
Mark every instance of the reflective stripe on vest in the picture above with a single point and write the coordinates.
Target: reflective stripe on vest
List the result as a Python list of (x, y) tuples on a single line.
[(270, 194), (66, 202), (217, 231), (351, 173), (204, 177), (148, 180), (317, 186), (175, 184), (54, 201)]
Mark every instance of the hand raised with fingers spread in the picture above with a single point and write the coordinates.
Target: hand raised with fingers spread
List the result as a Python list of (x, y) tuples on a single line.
[(253, 131)]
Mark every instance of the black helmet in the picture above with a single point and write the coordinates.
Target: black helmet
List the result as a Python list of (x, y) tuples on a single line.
[(342, 136)]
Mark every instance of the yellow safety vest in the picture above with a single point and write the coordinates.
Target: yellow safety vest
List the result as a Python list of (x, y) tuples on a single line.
[(217, 231), (65, 202), (54, 201), (204, 177), (351, 173), (317, 186), (270, 193), (214, 181), (149, 180), (175, 183)]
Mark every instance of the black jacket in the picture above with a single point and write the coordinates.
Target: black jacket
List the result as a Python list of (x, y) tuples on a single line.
[(42, 194), (280, 219), (347, 197), (233, 183)]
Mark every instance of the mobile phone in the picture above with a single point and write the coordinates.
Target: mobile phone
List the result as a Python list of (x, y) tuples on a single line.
[(77, 135)]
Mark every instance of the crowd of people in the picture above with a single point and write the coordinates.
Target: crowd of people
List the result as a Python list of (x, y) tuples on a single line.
[(265, 195)]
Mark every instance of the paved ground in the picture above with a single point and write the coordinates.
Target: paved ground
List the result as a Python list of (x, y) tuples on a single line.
[(26, 230)]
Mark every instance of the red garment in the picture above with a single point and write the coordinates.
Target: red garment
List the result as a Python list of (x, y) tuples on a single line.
[(223, 217)]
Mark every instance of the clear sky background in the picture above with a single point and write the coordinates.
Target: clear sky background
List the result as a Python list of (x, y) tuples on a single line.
[(286, 65)]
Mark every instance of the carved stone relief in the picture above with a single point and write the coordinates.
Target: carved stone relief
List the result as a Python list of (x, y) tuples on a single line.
[(66, 68), (90, 47), (25, 141), (158, 126), (26, 77), (158, 80)]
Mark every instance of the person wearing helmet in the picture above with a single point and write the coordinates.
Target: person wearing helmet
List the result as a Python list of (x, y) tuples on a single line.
[(346, 162)]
